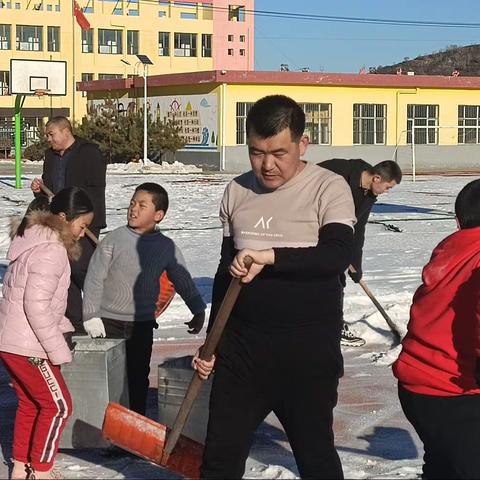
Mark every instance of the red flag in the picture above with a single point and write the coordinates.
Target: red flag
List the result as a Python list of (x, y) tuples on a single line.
[(80, 16)]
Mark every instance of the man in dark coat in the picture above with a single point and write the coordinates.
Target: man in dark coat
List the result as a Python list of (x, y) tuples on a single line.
[(366, 183), (72, 161)]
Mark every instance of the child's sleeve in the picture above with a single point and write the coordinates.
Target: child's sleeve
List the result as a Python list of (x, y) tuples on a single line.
[(183, 282), (44, 273), (96, 275)]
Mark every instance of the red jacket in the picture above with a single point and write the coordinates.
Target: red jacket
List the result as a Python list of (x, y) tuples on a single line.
[(440, 349)]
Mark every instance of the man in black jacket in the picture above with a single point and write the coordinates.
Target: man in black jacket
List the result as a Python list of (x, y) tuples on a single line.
[(366, 183), (72, 161)]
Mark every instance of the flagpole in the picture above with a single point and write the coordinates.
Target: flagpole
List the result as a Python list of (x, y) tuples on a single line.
[(73, 61)]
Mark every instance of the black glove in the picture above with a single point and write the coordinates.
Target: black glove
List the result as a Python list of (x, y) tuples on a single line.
[(356, 276)]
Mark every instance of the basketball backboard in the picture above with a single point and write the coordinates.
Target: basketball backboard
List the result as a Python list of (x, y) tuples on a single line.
[(26, 76)]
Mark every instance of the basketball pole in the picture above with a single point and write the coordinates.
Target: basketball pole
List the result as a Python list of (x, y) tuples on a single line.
[(19, 100)]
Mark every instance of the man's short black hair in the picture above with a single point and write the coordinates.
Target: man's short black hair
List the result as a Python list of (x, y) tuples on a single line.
[(158, 193), (272, 114), (388, 170), (467, 205)]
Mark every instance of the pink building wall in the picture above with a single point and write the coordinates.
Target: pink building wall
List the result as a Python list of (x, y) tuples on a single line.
[(223, 27)]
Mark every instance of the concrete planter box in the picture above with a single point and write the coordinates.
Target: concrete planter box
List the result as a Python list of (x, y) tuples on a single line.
[(173, 379), (96, 376)]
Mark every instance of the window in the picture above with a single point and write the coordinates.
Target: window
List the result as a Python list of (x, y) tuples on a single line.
[(318, 122), (230, 38), (242, 52), (206, 45), (164, 8), (29, 37), (5, 37), (87, 41), (86, 77), (17, 6), (230, 51), (109, 76), (207, 11), (422, 123), (242, 38), (53, 39), (369, 121), (242, 111), (4, 82), (163, 44), (468, 124), (236, 13), (132, 42), (133, 7), (185, 45), (110, 41)]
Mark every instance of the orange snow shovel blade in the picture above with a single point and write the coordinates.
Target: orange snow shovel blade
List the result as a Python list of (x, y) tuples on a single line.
[(153, 441), (145, 438)]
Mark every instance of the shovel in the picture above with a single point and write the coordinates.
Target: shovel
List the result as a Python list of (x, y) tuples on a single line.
[(394, 329), (154, 441)]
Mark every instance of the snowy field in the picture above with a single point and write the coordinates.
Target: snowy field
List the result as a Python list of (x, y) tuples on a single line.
[(373, 438)]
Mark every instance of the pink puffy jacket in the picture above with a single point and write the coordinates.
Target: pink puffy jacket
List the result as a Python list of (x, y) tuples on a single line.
[(32, 310)]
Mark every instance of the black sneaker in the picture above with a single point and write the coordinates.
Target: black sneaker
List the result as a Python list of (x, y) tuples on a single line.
[(348, 339)]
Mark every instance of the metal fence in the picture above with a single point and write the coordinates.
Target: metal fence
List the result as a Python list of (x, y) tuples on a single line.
[(28, 136)]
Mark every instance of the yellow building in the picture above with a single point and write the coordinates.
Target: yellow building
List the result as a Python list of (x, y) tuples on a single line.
[(177, 36), (432, 121)]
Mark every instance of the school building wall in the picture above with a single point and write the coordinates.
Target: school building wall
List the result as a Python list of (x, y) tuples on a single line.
[(210, 18), (336, 91)]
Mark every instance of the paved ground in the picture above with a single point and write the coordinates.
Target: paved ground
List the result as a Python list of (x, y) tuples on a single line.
[(372, 436)]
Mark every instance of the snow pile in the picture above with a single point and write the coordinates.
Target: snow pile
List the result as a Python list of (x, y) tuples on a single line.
[(165, 167)]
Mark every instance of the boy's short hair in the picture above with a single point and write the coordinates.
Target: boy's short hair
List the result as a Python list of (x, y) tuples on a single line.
[(272, 114), (467, 205), (158, 193), (388, 170)]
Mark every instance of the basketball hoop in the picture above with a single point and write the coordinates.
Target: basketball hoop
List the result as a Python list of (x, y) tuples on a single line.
[(40, 92)]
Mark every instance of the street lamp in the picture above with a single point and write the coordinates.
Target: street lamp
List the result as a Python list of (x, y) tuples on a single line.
[(145, 61)]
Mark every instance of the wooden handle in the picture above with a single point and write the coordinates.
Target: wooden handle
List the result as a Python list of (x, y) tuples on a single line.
[(207, 351), (384, 314), (50, 194)]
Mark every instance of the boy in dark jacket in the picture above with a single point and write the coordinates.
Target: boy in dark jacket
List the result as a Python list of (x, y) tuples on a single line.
[(366, 183), (438, 381)]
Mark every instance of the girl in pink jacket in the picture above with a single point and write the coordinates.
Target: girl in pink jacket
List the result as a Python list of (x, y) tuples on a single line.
[(33, 325)]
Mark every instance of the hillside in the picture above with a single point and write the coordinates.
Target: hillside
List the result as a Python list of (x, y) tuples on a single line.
[(465, 59)]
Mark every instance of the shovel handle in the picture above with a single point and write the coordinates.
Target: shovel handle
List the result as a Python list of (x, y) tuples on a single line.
[(382, 311), (50, 194), (207, 351)]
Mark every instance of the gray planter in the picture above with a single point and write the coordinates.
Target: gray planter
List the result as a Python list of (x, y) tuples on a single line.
[(96, 376)]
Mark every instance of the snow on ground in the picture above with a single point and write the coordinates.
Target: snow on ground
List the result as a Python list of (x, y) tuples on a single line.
[(373, 438)]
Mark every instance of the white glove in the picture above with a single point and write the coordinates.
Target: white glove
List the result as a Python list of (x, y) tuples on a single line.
[(95, 328)]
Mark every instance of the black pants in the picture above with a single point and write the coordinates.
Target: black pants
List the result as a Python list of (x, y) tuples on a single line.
[(139, 342), (256, 374), (79, 271), (449, 428)]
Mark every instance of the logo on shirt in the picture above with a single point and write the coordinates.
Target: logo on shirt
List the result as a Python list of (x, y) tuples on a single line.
[(263, 224)]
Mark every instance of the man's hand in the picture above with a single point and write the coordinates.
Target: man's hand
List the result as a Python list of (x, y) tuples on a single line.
[(203, 367), (355, 276), (36, 185), (196, 323), (95, 328), (260, 258)]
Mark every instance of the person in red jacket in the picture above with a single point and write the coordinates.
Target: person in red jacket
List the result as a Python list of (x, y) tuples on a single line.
[(439, 381)]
